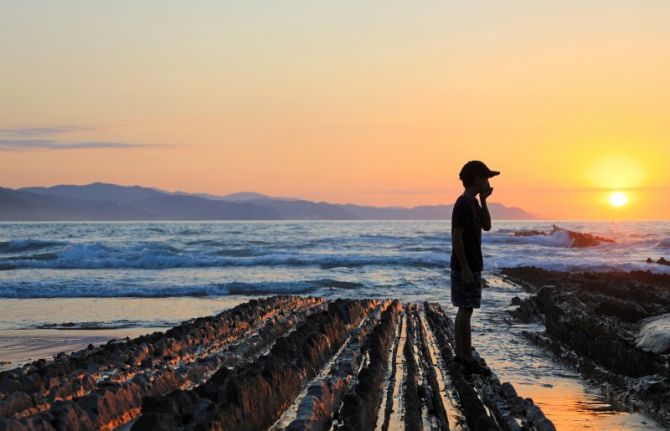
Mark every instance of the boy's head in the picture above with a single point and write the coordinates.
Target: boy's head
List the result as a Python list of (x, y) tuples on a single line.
[(476, 174)]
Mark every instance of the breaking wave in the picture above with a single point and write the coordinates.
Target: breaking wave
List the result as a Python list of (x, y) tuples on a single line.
[(92, 290), (556, 237), (23, 245), (162, 256)]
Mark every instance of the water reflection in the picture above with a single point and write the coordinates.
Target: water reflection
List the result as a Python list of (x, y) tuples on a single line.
[(568, 401)]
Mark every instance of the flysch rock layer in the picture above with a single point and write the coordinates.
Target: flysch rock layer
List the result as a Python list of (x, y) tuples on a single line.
[(279, 363), (609, 325), (103, 387)]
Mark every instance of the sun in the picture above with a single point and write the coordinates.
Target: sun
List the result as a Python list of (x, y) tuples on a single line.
[(618, 199)]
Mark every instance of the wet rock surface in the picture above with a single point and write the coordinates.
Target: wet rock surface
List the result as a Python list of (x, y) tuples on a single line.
[(103, 387), (613, 327), (360, 407), (279, 363)]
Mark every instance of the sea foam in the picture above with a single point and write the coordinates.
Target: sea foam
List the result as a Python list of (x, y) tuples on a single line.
[(93, 290)]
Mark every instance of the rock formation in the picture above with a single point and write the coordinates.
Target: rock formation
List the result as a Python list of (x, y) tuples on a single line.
[(661, 261), (279, 363), (611, 326)]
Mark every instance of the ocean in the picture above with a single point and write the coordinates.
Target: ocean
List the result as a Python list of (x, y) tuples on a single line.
[(405, 259), (136, 277)]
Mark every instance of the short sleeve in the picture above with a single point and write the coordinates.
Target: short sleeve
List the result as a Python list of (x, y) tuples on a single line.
[(460, 217)]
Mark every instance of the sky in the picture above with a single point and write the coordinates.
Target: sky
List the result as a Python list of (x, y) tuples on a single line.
[(368, 102)]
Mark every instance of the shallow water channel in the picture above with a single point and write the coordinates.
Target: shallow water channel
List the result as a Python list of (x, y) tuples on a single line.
[(569, 401)]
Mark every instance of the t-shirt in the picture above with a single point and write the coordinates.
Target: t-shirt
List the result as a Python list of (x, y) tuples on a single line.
[(467, 214)]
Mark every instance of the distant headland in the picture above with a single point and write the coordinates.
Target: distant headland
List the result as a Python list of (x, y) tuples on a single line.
[(110, 202)]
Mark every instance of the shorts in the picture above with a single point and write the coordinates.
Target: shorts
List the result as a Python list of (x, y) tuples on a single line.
[(466, 296)]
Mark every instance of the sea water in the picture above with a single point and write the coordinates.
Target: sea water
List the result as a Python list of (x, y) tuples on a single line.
[(122, 275)]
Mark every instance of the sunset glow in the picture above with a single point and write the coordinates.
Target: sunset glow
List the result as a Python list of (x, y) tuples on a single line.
[(243, 201), (380, 107)]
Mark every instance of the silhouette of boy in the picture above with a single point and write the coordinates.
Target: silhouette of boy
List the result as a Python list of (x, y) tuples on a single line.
[(467, 221)]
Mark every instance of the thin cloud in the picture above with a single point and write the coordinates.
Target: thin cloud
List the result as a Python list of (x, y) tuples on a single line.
[(43, 131), (44, 144)]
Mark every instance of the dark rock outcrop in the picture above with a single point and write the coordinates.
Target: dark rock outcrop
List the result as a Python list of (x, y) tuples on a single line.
[(481, 394), (280, 363), (661, 261), (253, 396), (104, 386), (594, 320), (359, 409)]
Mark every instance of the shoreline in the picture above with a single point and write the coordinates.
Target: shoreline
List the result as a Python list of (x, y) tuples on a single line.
[(60, 321), (83, 337), (21, 346), (248, 365), (595, 322), (546, 397)]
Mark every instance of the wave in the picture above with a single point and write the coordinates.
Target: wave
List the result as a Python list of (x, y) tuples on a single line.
[(424, 249), (337, 284), (293, 287), (70, 290), (376, 238), (557, 237), (381, 237), (162, 256), (576, 264), (425, 261), (21, 245), (190, 232), (664, 243), (236, 252)]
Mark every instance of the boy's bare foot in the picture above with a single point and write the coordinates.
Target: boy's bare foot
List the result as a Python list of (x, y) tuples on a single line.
[(470, 366)]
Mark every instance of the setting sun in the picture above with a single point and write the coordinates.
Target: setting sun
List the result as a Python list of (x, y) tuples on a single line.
[(618, 199)]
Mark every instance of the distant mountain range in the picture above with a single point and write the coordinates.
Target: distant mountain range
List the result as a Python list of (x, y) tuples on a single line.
[(109, 202)]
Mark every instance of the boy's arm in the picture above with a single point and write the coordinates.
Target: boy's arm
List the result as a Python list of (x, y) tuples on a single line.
[(486, 216), (459, 251)]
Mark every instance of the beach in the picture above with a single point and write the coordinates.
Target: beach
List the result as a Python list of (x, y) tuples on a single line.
[(75, 284), (74, 323)]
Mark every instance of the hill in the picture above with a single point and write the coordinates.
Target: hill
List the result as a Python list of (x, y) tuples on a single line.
[(99, 201)]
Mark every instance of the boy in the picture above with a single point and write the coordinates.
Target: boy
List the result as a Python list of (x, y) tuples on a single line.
[(467, 221)]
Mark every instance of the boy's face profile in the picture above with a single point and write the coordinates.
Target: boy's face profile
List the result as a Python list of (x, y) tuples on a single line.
[(482, 184)]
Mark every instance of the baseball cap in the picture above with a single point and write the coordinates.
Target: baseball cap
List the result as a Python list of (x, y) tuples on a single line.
[(476, 168)]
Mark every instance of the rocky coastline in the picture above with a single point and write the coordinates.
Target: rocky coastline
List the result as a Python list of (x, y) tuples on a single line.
[(614, 327), (278, 363)]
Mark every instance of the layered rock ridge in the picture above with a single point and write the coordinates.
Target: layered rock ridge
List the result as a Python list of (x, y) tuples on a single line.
[(278, 363), (614, 327)]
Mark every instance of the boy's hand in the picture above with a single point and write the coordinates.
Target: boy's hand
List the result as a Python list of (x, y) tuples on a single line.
[(467, 276), (486, 193)]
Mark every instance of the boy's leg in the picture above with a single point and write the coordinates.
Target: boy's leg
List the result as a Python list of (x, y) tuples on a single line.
[(465, 297), (463, 334)]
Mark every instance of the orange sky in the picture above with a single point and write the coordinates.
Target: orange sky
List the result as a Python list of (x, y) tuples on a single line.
[(374, 104)]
